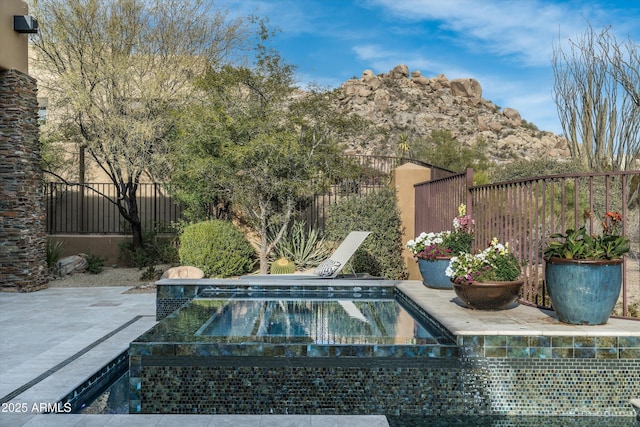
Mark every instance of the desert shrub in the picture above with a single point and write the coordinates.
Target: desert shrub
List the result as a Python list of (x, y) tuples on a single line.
[(301, 244), (155, 250), (524, 169), (217, 247), (54, 251), (381, 252), (95, 264)]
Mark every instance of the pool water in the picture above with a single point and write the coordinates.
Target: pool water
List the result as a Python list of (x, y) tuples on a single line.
[(314, 321), (296, 322)]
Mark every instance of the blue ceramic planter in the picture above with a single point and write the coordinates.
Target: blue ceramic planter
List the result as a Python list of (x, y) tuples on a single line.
[(433, 273), (583, 292)]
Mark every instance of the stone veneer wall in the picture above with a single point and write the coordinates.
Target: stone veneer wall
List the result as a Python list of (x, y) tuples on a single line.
[(22, 221)]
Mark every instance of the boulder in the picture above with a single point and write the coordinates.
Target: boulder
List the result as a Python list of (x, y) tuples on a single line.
[(399, 72), (468, 88), (183, 272), (72, 264), (419, 79), (512, 114)]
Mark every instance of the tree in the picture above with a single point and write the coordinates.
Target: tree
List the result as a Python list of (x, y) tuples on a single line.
[(442, 149), (259, 143), (114, 70), (598, 100)]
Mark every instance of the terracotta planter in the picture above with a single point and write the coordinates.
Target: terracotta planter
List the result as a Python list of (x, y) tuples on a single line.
[(433, 273), (488, 295), (583, 292)]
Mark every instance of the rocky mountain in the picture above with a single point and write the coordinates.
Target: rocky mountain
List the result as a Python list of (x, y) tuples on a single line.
[(398, 102)]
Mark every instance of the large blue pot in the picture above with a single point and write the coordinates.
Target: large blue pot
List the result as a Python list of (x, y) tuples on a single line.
[(583, 292), (433, 273)]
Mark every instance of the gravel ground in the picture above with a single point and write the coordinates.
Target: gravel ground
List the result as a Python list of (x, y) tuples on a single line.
[(110, 276)]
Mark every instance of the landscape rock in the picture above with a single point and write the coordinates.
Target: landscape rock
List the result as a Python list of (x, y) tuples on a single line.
[(72, 264), (183, 272), (469, 88)]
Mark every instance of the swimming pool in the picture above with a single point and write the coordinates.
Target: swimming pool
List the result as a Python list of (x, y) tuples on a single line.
[(515, 374), (281, 353)]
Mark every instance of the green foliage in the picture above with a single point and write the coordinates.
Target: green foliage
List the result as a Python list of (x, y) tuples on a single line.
[(523, 169), (443, 150), (120, 106), (155, 250), (149, 274), (95, 264), (282, 266), (254, 145), (217, 247), (578, 244), (301, 244), (380, 254), (54, 251)]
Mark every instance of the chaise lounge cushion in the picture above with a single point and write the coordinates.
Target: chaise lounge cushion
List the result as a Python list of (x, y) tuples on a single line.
[(327, 267)]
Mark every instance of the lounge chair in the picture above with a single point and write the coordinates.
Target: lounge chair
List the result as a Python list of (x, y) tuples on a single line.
[(332, 266)]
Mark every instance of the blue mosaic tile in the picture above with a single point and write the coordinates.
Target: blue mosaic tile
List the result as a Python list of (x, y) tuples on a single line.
[(584, 353), (584, 342), (540, 341), (607, 342), (607, 353), (562, 341), (135, 384), (495, 341), (541, 352), (629, 342), (473, 341), (518, 352), (163, 350), (630, 353), (318, 350), (517, 341), (562, 353), (495, 352), (140, 349)]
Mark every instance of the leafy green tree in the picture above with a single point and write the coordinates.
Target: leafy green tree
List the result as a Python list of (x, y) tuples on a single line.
[(258, 143), (443, 150), (113, 70)]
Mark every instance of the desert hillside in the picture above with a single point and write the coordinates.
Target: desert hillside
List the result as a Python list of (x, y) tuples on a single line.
[(402, 102)]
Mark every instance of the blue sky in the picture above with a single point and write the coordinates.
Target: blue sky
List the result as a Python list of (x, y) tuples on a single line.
[(506, 45)]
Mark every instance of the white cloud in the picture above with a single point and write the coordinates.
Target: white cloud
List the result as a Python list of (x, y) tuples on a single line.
[(525, 30)]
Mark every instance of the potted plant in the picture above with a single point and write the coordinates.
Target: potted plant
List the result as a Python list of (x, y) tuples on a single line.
[(583, 273), (489, 280), (434, 250)]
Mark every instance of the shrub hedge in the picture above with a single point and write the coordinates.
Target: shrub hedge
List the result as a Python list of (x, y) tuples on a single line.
[(381, 252), (217, 247)]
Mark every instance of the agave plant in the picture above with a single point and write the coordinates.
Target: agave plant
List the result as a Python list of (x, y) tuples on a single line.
[(301, 244)]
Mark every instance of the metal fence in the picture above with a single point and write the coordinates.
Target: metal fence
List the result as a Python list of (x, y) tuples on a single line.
[(525, 212), (84, 209), (371, 174)]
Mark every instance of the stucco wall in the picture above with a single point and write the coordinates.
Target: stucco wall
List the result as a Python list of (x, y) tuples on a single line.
[(13, 50)]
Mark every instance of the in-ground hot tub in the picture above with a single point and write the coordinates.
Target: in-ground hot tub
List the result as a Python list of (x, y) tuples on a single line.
[(353, 349)]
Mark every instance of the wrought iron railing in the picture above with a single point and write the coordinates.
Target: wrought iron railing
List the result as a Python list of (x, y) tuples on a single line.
[(85, 209), (525, 213)]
